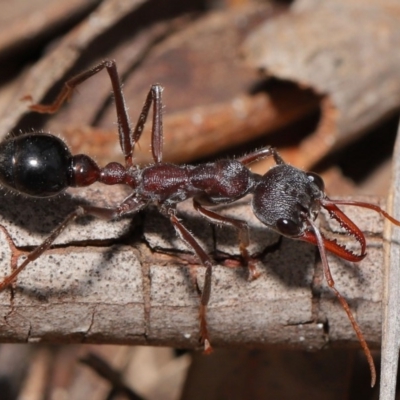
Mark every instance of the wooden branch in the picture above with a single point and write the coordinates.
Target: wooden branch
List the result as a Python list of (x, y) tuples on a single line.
[(391, 293), (129, 282)]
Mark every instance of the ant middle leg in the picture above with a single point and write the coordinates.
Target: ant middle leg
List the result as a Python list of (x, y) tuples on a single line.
[(127, 137), (129, 205), (205, 292), (243, 231)]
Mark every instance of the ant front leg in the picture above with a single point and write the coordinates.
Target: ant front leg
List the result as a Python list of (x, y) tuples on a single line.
[(127, 137), (342, 301), (205, 292), (242, 228)]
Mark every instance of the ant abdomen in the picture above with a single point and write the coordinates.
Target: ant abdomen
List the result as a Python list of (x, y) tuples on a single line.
[(36, 164)]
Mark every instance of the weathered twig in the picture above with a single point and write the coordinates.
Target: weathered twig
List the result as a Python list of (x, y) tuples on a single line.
[(94, 287), (391, 299), (103, 369)]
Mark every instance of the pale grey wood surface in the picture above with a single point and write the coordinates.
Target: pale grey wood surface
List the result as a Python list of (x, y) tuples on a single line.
[(391, 297)]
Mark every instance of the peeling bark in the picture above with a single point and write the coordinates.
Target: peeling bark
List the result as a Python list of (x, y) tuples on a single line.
[(344, 50)]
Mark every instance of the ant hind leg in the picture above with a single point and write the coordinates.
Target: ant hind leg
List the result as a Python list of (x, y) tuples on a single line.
[(127, 137), (129, 205)]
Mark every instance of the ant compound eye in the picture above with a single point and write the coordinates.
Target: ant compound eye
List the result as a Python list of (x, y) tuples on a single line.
[(317, 180), (287, 227)]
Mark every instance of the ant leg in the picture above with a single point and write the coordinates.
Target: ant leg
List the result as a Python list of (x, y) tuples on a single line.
[(343, 302), (127, 137), (129, 205), (154, 96), (124, 123), (204, 293), (260, 155), (243, 230), (39, 250)]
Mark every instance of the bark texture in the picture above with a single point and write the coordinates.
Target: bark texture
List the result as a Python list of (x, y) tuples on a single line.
[(130, 282)]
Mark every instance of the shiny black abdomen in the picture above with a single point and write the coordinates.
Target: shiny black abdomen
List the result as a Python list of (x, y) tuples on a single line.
[(37, 164)]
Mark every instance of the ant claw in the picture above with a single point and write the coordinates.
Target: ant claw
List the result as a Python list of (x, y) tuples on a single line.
[(207, 347), (27, 97), (253, 272)]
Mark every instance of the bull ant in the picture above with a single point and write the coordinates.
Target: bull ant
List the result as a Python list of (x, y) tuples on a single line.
[(285, 199)]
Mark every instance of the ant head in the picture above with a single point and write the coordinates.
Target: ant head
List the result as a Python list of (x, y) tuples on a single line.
[(288, 200)]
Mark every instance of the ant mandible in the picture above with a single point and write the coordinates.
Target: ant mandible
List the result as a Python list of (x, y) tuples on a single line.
[(285, 199)]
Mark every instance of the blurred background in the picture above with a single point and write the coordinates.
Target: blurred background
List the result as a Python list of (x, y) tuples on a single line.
[(318, 80)]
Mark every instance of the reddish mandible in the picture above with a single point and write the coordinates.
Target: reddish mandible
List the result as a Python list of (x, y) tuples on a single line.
[(285, 199)]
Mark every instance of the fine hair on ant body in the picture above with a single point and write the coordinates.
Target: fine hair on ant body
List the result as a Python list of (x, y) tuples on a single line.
[(285, 199)]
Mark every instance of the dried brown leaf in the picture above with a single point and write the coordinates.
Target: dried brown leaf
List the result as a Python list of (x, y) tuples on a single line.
[(345, 50)]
